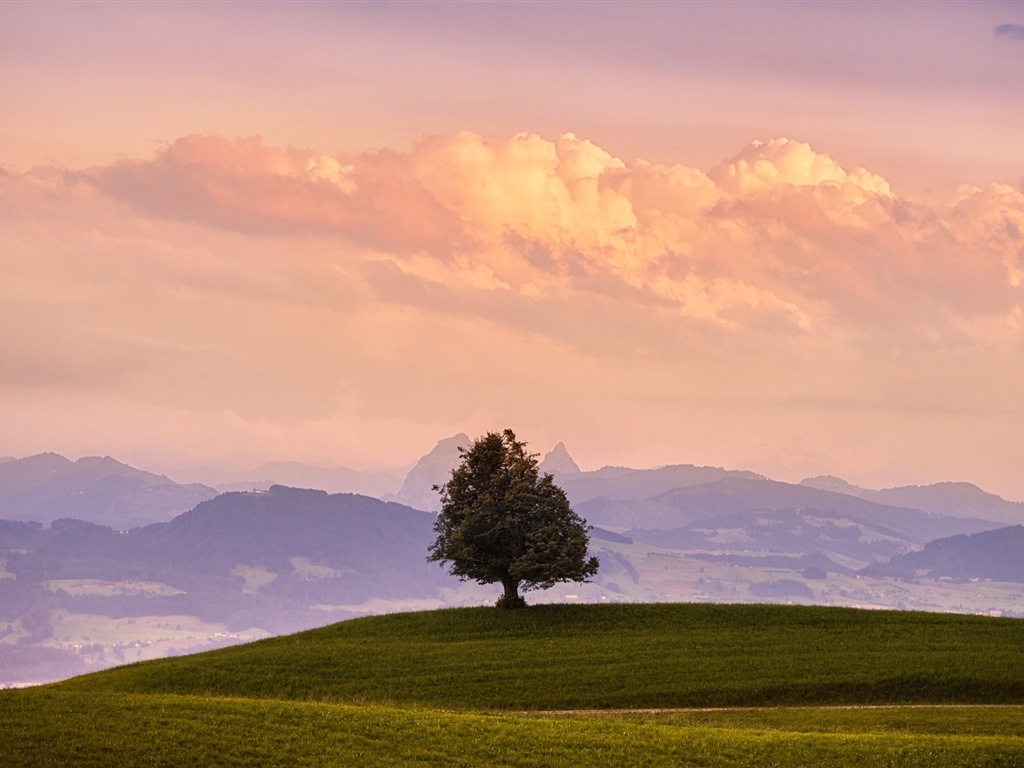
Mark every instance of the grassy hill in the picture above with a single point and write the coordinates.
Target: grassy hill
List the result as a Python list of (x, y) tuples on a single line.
[(549, 686)]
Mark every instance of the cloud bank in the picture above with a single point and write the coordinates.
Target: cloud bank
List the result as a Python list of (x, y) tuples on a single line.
[(779, 235), (303, 301)]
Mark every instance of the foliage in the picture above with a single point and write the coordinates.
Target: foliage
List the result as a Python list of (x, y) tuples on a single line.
[(503, 522)]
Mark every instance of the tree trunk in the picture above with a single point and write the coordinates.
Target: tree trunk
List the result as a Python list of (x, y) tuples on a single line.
[(510, 598), (511, 588)]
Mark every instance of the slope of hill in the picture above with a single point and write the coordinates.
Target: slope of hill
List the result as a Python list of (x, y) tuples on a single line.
[(99, 490), (558, 686), (804, 533), (947, 499), (338, 548), (742, 513), (250, 563), (992, 555), (625, 484), (295, 475), (746, 494), (630, 656), (954, 499)]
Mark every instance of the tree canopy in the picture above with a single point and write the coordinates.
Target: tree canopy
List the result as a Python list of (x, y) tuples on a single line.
[(501, 521)]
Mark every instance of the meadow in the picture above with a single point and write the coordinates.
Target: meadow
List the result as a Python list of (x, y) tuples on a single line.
[(667, 684)]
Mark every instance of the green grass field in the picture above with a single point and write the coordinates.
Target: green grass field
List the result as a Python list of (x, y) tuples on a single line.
[(669, 684)]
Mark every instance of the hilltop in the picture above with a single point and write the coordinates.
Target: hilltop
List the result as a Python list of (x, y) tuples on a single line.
[(598, 657)]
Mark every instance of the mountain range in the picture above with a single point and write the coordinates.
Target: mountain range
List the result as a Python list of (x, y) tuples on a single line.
[(100, 490), (952, 499), (730, 513), (95, 543), (296, 475), (104, 491), (238, 566), (994, 554), (306, 545)]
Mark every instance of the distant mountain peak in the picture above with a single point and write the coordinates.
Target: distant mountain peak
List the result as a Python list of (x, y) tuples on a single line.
[(834, 484), (47, 459), (955, 498), (433, 469), (108, 464), (450, 445), (946, 485), (558, 461)]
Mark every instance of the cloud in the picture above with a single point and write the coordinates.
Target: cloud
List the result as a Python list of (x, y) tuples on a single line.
[(778, 236), (290, 301), (781, 162), (246, 186), (1009, 31), (778, 246)]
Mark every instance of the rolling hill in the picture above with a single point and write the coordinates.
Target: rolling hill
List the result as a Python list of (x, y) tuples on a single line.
[(947, 499), (994, 555), (98, 490), (738, 518), (554, 657), (707, 501), (238, 565), (294, 474), (301, 543), (704, 686)]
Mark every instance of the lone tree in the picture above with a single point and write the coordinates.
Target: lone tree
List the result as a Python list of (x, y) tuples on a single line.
[(501, 521)]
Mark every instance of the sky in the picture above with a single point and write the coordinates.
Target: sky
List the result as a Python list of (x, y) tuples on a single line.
[(783, 237)]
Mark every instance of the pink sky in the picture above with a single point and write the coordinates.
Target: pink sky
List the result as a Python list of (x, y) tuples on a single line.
[(786, 237)]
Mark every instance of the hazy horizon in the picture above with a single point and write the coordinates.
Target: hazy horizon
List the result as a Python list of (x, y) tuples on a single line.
[(780, 237)]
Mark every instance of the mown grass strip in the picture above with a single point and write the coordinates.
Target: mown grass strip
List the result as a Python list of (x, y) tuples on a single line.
[(53, 727), (608, 657)]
